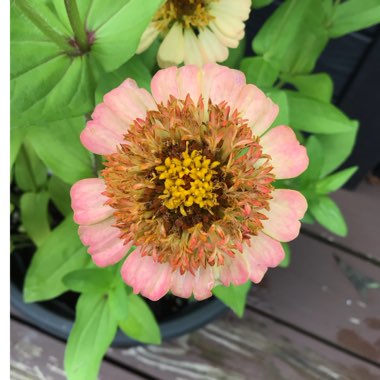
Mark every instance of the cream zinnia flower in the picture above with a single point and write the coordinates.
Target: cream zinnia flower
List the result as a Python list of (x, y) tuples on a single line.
[(196, 31)]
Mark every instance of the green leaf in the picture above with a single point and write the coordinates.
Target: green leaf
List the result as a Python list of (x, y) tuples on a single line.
[(311, 115), (233, 296), (294, 36), (30, 172), (149, 56), (337, 148), (259, 71), (89, 280), (134, 69), (134, 316), (17, 136), (335, 181), (280, 98), (34, 216), (285, 263), (61, 253), (257, 4), (328, 214), (353, 15), (117, 34), (235, 55), (308, 218), (46, 83), (316, 158), (316, 86), (93, 331), (59, 147), (60, 195)]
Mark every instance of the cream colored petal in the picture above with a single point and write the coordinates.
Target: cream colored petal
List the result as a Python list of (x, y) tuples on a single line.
[(222, 37), (149, 35), (212, 49), (237, 8), (171, 51), (192, 52)]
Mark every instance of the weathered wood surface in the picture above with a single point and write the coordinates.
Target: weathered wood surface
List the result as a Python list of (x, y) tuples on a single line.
[(328, 293), (362, 213), (36, 356), (253, 348)]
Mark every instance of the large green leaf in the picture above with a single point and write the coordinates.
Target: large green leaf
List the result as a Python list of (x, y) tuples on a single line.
[(233, 296), (17, 135), (335, 181), (311, 115), (286, 261), (134, 69), (328, 214), (354, 15), (93, 331), (89, 280), (294, 36), (60, 195), (256, 4), (118, 26), (235, 55), (30, 172), (337, 147), (316, 158), (280, 98), (317, 86), (258, 71), (46, 82), (59, 146), (134, 316), (34, 216), (61, 253)]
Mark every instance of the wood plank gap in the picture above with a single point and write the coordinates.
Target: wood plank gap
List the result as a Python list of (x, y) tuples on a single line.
[(342, 247), (311, 335), (106, 358)]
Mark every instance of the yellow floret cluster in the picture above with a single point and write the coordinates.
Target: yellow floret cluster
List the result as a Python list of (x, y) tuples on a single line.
[(188, 181)]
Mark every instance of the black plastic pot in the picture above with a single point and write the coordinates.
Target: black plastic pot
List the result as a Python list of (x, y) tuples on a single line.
[(175, 316)]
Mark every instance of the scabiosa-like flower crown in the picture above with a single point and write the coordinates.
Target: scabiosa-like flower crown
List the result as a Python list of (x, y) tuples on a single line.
[(196, 31), (188, 180)]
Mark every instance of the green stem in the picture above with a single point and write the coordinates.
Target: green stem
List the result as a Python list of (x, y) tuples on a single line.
[(77, 25), (43, 26)]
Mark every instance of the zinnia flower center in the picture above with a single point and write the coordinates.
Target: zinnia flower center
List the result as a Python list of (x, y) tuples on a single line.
[(188, 181), (189, 184), (191, 13)]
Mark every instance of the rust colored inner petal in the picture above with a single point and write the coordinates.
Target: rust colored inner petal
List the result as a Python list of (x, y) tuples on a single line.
[(189, 183)]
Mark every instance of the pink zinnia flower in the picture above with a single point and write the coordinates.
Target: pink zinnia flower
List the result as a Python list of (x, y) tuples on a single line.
[(188, 180)]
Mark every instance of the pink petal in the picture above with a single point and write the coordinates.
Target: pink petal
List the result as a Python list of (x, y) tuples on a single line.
[(182, 284), (164, 84), (235, 270), (221, 83), (203, 283), (255, 106), (111, 119), (105, 246), (286, 208), (129, 102), (146, 276), (87, 201), (263, 253), (104, 132), (289, 158), (189, 81)]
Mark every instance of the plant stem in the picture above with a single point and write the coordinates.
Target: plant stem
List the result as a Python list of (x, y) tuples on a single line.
[(77, 25), (43, 26)]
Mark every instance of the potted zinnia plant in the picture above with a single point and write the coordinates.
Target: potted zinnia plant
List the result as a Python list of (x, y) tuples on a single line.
[(147, 178)]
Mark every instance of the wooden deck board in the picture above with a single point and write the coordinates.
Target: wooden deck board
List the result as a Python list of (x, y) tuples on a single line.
[(252, 348), (326, 292), (36, 356)]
